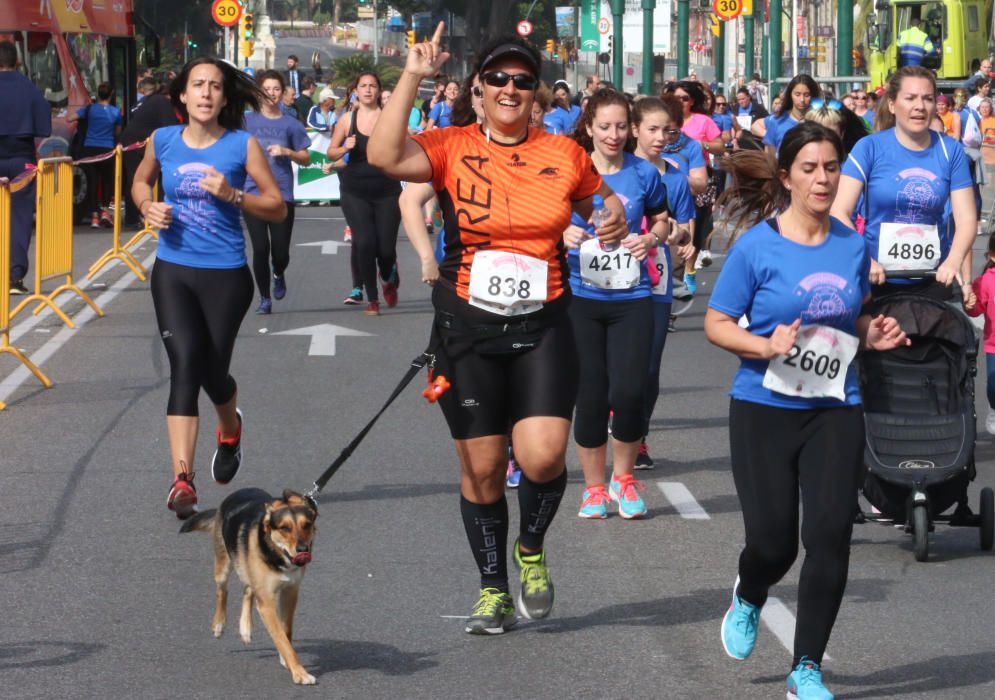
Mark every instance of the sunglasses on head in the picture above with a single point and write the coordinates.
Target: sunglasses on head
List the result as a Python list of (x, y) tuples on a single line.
[(819, 103), (522, 81)]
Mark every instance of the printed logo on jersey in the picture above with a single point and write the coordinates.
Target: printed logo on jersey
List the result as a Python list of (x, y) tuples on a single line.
[(197, 210), (516, 161), (915, 195), (825, 297), (549, 172)]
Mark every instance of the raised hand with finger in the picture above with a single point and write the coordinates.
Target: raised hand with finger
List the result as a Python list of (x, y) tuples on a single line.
[(425, 59)]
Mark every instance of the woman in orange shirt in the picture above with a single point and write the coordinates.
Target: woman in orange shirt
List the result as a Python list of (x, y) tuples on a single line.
[(501, 333)]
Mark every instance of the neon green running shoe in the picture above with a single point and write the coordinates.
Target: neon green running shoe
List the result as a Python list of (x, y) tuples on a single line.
[(494, 613), (535, 599)]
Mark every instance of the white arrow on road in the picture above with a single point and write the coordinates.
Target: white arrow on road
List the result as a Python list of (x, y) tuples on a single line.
[(327, 247), (323, 337)]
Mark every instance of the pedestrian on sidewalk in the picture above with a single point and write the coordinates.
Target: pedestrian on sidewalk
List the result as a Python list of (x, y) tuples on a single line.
[(201, 284), (26, 116)]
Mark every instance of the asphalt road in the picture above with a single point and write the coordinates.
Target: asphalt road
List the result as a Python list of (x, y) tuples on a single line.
[(103, 599)]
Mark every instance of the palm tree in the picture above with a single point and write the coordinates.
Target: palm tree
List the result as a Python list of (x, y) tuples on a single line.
[(345, 69)]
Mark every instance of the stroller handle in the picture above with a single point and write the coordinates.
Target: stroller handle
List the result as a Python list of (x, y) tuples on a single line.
[(910, 274)]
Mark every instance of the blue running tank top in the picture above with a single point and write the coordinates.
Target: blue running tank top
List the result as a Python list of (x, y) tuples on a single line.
[(205, 232)]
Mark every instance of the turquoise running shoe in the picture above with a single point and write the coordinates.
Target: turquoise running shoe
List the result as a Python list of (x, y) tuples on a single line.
[(691, 282), (739, 626), (805, 682), (625, 491), (594, 504)]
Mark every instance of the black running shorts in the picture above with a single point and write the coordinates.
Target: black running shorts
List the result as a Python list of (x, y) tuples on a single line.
[(490, 393)]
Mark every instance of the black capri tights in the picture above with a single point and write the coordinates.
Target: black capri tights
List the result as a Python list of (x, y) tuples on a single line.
[(777, 453), (374, 224), (199, 311), (613, 344), (269, 239)]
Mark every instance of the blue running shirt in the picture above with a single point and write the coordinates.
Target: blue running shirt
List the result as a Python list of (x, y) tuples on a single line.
[(205, 232), (906, 186), (640, 188), (777, 127), (773, 280), (680, 203)]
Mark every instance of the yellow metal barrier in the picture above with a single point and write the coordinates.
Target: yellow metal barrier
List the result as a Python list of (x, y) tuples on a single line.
[(6, 188), (54, 237), (117, 251), (147, 229)]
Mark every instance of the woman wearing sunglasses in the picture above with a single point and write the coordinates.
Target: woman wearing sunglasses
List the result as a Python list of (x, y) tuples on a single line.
[(907, 173), (797, 97), (501, 334)]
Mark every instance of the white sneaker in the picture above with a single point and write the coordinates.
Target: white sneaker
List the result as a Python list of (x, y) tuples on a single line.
[(990, 423), (704, 260)]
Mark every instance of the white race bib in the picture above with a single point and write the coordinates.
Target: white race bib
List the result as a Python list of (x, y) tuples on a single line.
[(506, 283), (745, 121), (604, 270), (816, 366), (660, 262), (909, 247)]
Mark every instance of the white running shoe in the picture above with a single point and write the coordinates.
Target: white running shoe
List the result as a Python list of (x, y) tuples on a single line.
[(990, 423), (704, 260)]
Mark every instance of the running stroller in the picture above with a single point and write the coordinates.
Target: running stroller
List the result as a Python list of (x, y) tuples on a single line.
[(920, 422)]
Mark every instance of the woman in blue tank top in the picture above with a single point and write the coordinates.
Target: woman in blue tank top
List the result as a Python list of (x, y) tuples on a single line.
[(201, 284)]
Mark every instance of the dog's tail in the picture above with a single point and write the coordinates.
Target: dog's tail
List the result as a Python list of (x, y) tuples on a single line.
[(202, 520)]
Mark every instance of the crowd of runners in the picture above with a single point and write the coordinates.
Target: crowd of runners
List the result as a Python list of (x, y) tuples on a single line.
[(569, 224)]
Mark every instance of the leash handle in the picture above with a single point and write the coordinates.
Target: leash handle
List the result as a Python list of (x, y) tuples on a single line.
[(418, 364)]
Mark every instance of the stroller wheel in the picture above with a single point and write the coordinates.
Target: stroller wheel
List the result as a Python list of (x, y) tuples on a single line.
[(920, 532), (987, 518)]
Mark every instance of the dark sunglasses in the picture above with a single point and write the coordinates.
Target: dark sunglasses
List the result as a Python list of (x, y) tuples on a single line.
[(819, 103), (720, 104), (683, 98), (522, 81), (672, 132)]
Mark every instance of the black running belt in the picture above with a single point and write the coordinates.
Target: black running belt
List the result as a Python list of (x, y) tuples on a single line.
[(417, 365)]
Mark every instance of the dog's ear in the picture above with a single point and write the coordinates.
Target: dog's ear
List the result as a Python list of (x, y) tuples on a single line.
[(267, 522), (292, 498)]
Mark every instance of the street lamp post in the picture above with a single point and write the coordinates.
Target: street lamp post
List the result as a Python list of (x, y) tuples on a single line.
[(648, 7), (618, 9)]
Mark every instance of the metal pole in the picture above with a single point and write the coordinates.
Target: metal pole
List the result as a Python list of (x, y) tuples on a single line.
[(618, 9), (376, 40), (227, 44), (844, 39), (186, 43), (748, 47), (794, 37), (719, 54), (774, 42), (648, 7), (683, 17)]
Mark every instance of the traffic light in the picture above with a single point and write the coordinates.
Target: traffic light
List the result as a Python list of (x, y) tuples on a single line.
[(248, 26), (246, 47), (411, 38), (550, 45)]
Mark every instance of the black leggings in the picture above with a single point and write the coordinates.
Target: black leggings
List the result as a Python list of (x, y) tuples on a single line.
[(199, 312), (661, 326), (374, 224), (269, 239), (774, 452), (613, 344)]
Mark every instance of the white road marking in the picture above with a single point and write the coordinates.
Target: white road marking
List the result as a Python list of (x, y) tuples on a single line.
[(20, 375), (323, 336), (781, 622), (327, 247), (682, 500)]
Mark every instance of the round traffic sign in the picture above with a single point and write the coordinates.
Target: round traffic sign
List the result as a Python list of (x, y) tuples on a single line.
[(524, 28), (227, 13), (604, 25), (727, 9)]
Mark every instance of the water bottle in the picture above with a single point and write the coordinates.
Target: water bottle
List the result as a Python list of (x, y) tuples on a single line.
[(598, 219)]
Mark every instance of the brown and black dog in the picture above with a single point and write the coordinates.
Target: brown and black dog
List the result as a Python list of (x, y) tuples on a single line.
[(268, 542)]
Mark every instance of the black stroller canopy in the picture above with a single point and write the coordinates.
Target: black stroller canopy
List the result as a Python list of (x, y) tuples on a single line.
[(927, 318)]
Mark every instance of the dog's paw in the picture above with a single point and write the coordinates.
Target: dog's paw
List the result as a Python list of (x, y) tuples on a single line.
[(218, 629), (302, 677)]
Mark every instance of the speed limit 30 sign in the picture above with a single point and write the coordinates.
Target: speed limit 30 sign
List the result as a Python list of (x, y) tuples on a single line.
[(727, 9), (227, 13)]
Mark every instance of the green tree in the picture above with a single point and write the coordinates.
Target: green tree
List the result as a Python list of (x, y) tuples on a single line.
[(345, 69)]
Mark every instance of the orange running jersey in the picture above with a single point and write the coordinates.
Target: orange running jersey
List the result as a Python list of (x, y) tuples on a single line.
[(506, 198)]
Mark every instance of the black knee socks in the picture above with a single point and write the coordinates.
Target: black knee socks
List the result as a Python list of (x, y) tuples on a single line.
[(486, 527), (538, 504)]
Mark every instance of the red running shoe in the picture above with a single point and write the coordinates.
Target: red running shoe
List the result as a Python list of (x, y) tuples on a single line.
[(373, 308), (390, 286), (182, 498)]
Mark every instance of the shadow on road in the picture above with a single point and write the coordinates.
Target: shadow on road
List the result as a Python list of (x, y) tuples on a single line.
[(321, 656), (44, 654)]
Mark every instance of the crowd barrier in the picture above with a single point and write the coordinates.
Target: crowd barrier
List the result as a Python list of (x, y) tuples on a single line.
[(117, 251), (7, 188), (54, 237)]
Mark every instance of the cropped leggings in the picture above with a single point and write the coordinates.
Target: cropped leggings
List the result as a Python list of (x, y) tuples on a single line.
[(613, 344), (199, 311), (374, 224), (269, 239), (775, 453)]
